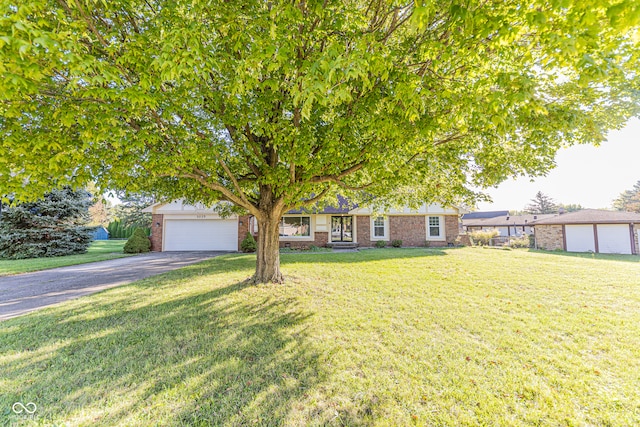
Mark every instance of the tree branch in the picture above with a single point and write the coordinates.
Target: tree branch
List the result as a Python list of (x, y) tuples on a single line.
[(352, 187), (337, 177), (201, 177), (312, 200), (236, 185), (451, 138), (88, 21)]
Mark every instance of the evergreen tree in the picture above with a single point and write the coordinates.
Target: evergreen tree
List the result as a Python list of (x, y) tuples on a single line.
[(138, 242), (629, 200), (541, 204), (52, 226), (129, 212)]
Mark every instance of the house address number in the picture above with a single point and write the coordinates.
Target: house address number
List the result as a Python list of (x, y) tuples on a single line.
[(201, 216)]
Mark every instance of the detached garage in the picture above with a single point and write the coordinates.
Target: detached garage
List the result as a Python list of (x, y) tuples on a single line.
[(590, 230), (178, 226)]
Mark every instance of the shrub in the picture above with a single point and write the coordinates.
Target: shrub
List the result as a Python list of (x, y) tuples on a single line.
[(138, 242), (520, 242), (396, 243), (483, 238), (249, 244), (381, 244), (532, 240)]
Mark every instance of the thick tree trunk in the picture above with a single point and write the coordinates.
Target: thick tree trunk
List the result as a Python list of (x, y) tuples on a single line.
[(268, 254)]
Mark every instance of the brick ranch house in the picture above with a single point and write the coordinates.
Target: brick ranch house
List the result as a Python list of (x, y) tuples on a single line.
[(590, 230), (177, 226)]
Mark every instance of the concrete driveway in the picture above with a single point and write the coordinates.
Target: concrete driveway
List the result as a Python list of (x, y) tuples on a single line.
[(27, 292)]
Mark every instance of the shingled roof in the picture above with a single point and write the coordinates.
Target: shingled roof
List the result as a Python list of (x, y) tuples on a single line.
[(504, 221), (591, 216), (342, 206), (485, 214)]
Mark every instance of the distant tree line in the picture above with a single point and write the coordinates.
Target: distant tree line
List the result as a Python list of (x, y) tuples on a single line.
[(122, 219), (628, 201), (543, 204)]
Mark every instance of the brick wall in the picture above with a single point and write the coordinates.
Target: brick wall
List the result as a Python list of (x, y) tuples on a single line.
[(156, 232), (243, 227), (549, 237), (363, 231), (465, 240), (411, 229), (636, 227), (451, 228), (320, 239)]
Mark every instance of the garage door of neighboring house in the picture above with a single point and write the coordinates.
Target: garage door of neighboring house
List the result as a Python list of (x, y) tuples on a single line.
[(200, 235), (614, 239), (580, 238)]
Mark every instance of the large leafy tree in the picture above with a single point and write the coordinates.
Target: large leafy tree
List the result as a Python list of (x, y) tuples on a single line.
[(273, 105), (629, 200)]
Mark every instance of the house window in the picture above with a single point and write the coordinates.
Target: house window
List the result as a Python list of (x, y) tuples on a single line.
[(295, 226), (434, 226), (378, 227)]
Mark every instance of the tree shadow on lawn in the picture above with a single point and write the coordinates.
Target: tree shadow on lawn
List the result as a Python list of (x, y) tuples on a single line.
[(213, 358), (362, 256), (236, 262)]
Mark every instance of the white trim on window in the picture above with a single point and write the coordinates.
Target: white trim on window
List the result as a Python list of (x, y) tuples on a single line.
[(382, 225), (435, 227), (310, 236)]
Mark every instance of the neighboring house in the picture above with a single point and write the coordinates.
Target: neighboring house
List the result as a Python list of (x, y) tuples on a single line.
[(507, 225), (100, 233), (484, 214), (590, 230), (177, 226)]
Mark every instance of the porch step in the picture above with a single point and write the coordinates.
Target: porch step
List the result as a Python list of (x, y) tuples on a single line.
[(342, 245)]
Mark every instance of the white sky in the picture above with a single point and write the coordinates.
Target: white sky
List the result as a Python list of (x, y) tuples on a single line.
[(584, 174)]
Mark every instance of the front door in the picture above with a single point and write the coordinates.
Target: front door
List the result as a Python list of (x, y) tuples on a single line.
[(342, 229)]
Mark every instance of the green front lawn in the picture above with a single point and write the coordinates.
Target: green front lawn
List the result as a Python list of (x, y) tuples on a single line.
[(100, 250), (380, 337)]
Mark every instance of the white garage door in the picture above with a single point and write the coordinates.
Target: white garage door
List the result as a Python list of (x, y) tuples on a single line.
[(614, 239), (580, 238), (201, 235)]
